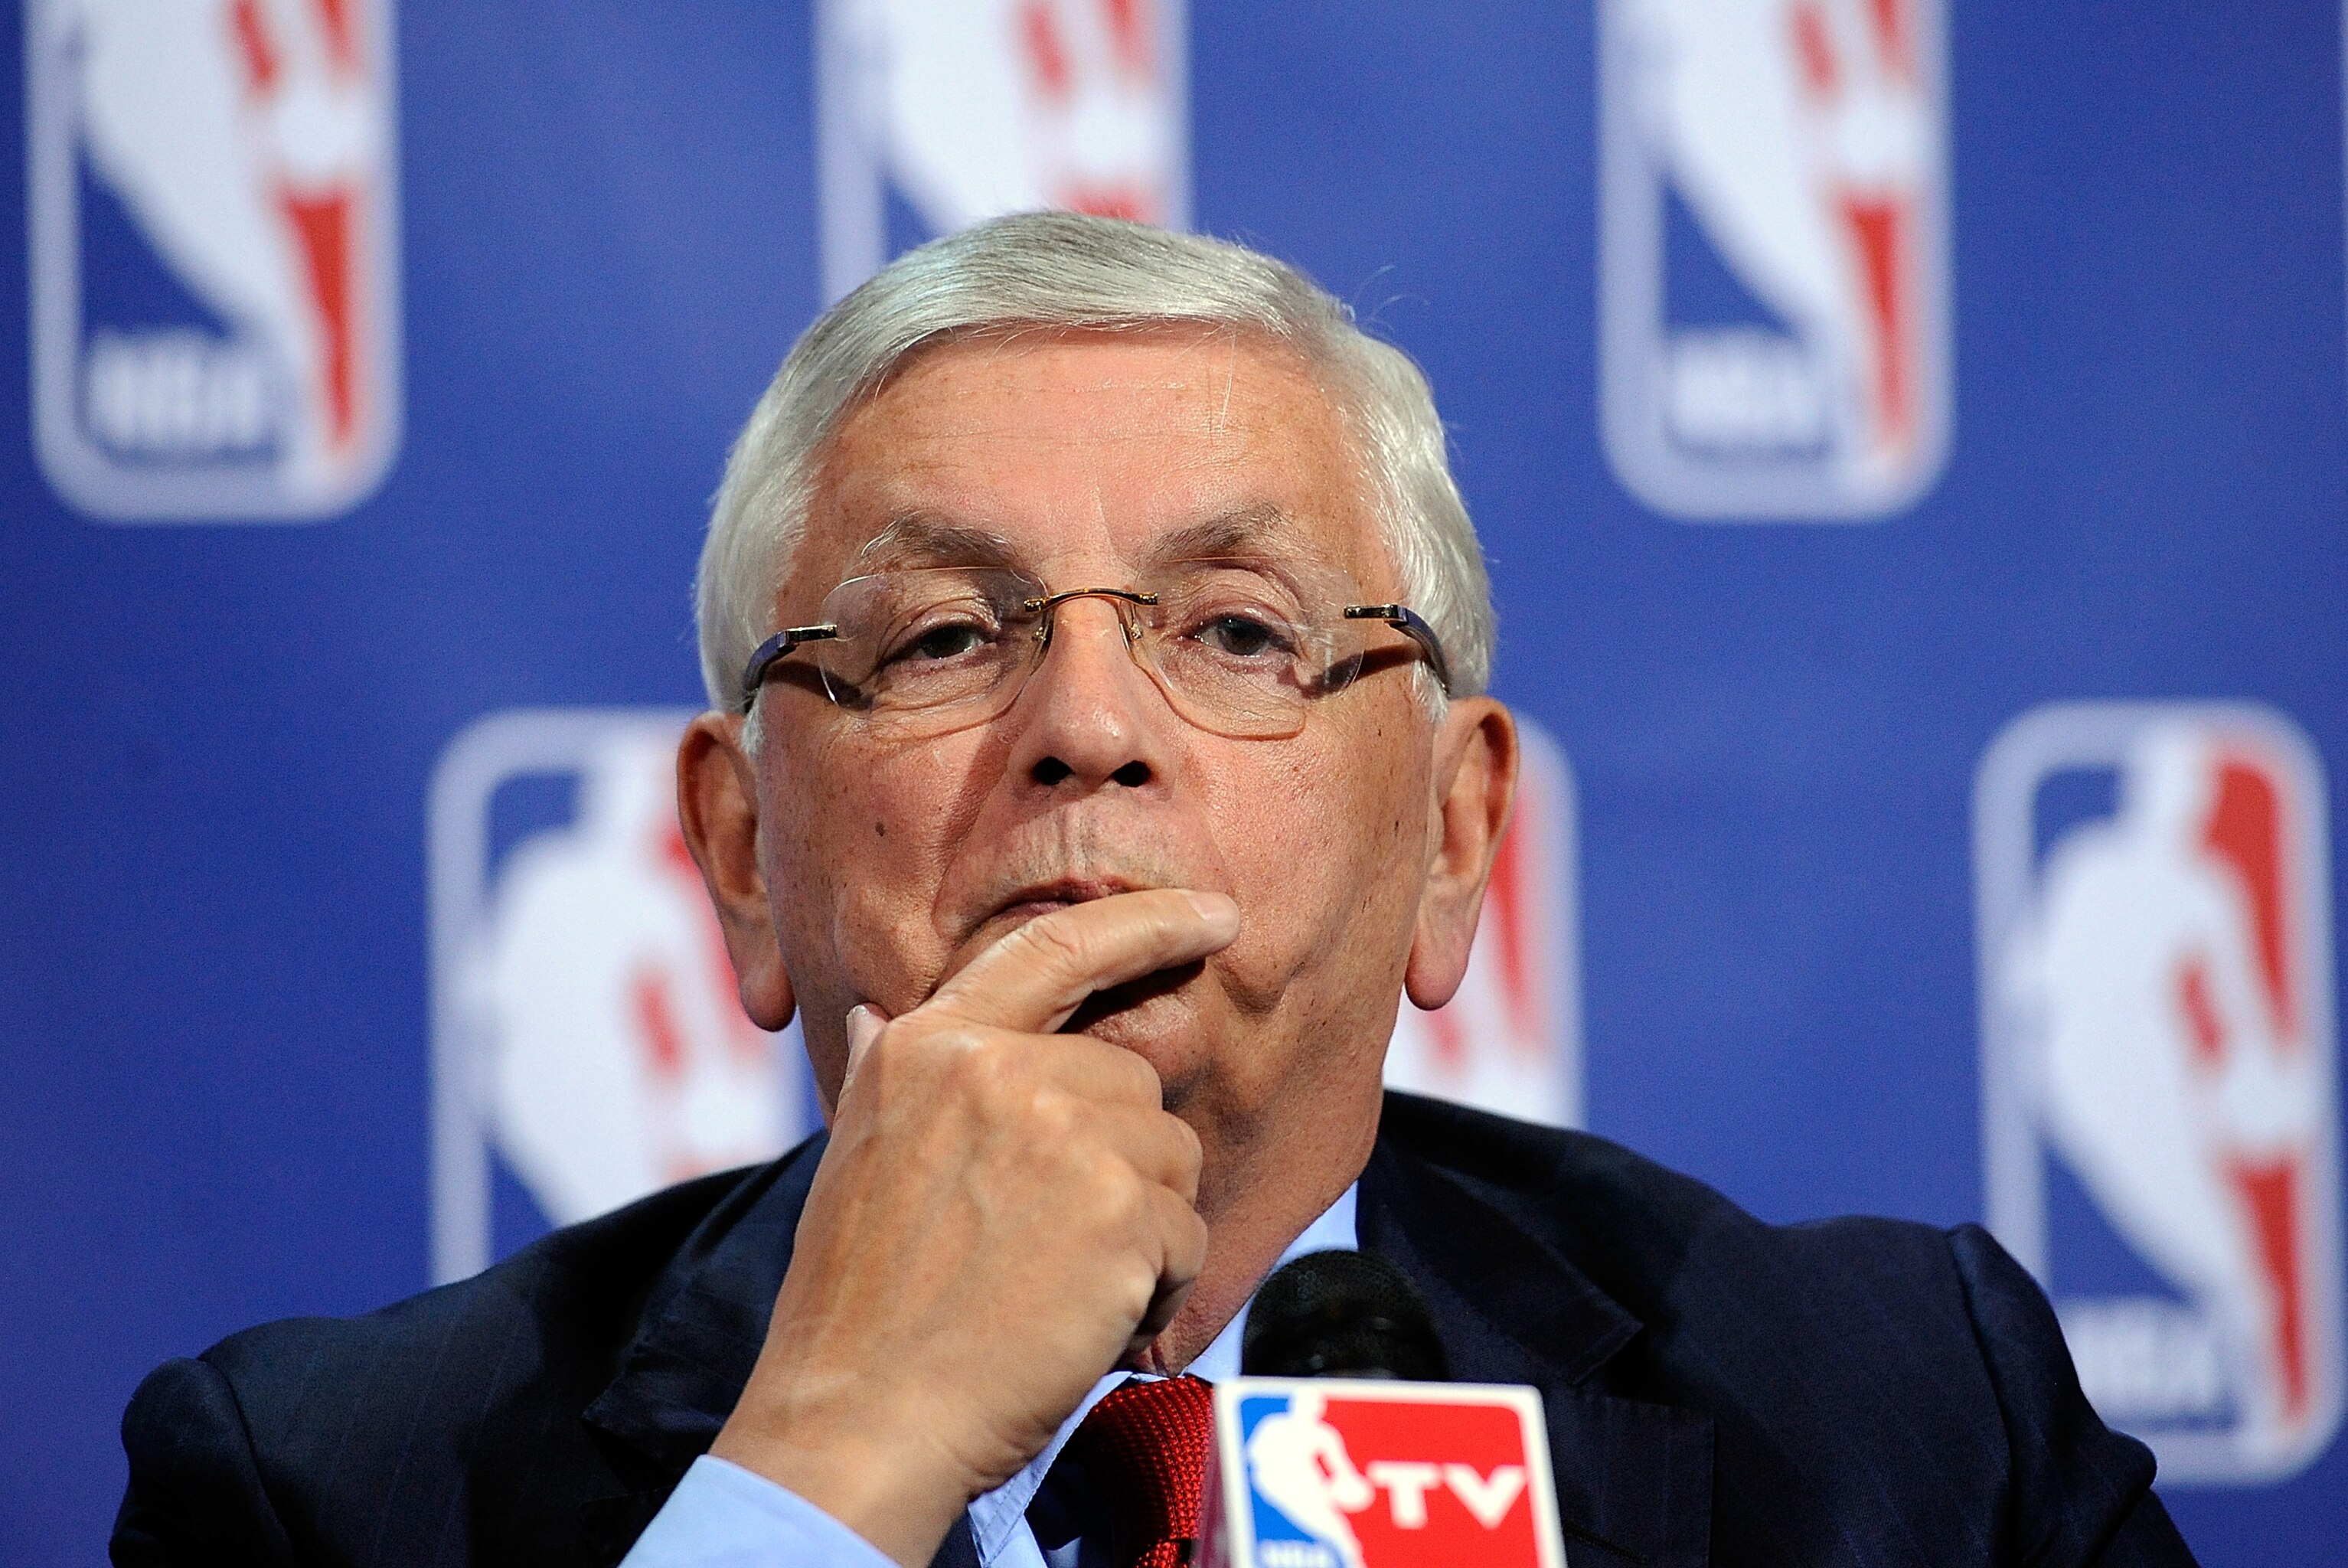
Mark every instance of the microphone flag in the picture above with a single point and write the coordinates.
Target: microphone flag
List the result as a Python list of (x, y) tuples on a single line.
[(1372, 1472)]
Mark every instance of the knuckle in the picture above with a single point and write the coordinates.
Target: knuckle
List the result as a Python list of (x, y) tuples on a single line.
[(1187, 1232), (1136, 1284), (1019, 1098), (1111, 1190), (1189, 1152), (1142, 1082), (970, 1062), (1053, 1115)]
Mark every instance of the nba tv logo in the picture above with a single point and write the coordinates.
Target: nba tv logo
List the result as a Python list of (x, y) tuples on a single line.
[(932, 115), (2159, 1069), (213, 198), (1345, 1474), (589, 1047), (1773, 257)]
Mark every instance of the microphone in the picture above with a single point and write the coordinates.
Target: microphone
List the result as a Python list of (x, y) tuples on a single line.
[(1341, 1444), (1341, 1314)]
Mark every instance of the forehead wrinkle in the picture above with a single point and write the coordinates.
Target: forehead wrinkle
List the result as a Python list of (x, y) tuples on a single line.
[(1260, 528), (924, 538)]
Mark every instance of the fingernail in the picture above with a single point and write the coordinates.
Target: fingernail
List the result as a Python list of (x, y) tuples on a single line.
[(1220, 913), (863, 1023)]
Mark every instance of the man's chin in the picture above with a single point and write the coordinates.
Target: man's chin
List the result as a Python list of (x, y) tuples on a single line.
[(1157, 1017)]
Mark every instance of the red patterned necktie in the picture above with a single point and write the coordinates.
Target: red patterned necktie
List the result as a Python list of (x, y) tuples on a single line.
[(1144, 1447)]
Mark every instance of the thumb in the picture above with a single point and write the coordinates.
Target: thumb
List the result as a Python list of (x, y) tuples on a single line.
[(865, 1022)]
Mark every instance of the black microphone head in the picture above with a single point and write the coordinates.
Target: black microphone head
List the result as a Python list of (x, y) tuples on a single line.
[(1341, 1314)]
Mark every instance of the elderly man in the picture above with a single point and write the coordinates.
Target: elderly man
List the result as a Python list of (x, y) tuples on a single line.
[(1097, 756)]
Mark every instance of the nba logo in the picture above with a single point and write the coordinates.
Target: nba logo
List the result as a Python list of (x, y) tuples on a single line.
[(588, 1044), (1339, 1473), (932, 115), (1773, 256), (213, 203), (2158, 1068), (1510, 1041)]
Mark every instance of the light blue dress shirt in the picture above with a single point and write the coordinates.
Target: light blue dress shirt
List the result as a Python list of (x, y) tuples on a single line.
[(723, 1516)]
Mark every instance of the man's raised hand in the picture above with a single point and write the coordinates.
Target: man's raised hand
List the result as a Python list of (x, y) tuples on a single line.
[(1003, 1215)]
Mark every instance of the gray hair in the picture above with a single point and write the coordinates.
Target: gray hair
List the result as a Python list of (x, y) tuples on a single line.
[(1062, 271)]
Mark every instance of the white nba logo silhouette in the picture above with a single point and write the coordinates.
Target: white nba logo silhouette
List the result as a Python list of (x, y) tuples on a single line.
[(1298, 1461), (2157, 1007), (588, 1026), (1510, 1041), (1804, 138), (968, 108), (250, 145)]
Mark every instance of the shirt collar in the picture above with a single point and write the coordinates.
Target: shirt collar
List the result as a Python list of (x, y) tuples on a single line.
[(997, 1517)]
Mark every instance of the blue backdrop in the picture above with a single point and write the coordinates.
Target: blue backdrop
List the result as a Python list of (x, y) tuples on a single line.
[(219, 739)]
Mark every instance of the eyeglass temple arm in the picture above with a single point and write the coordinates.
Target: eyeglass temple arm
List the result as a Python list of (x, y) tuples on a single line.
[(1405, 619), (753, 673)]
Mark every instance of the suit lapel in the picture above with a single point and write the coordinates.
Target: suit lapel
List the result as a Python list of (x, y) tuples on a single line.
[(703, 1324), (959, 1548), (1634, 1477), (706, 1318)]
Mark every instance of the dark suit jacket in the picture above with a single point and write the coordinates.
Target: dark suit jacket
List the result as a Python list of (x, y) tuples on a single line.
[(1718, 1390)]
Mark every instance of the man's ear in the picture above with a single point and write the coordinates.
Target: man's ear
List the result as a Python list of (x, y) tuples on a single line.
[(1474, 780), (717, 807)]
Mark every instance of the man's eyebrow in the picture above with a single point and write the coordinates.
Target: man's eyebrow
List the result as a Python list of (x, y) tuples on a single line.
[(1261, 528), (924, 538)]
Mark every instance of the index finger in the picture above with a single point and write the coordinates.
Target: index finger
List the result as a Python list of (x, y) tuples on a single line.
[(1035, 977)]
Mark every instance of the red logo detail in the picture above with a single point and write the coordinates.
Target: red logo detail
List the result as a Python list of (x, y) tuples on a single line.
[(321, 210), (1451, 1483), (2244, 834), (1839, 72)]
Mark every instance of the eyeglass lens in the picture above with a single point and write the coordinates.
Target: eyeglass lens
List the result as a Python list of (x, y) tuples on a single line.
[(1239, 648)]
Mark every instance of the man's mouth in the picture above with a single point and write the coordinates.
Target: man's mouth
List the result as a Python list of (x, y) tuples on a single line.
[(1043, 898)]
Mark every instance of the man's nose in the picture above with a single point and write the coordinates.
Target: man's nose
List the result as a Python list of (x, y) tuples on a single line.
[(1090, 716)]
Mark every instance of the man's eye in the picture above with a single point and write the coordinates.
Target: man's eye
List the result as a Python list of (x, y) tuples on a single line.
[(951, 640), (1242, 636)]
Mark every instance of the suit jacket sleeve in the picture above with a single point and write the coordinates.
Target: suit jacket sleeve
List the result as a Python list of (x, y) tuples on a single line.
[(2082, 1493), (195, 1496)]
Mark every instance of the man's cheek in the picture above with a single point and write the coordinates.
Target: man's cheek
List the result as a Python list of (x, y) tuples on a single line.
[(883, 927), (1297, 903), (1307, 845)]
